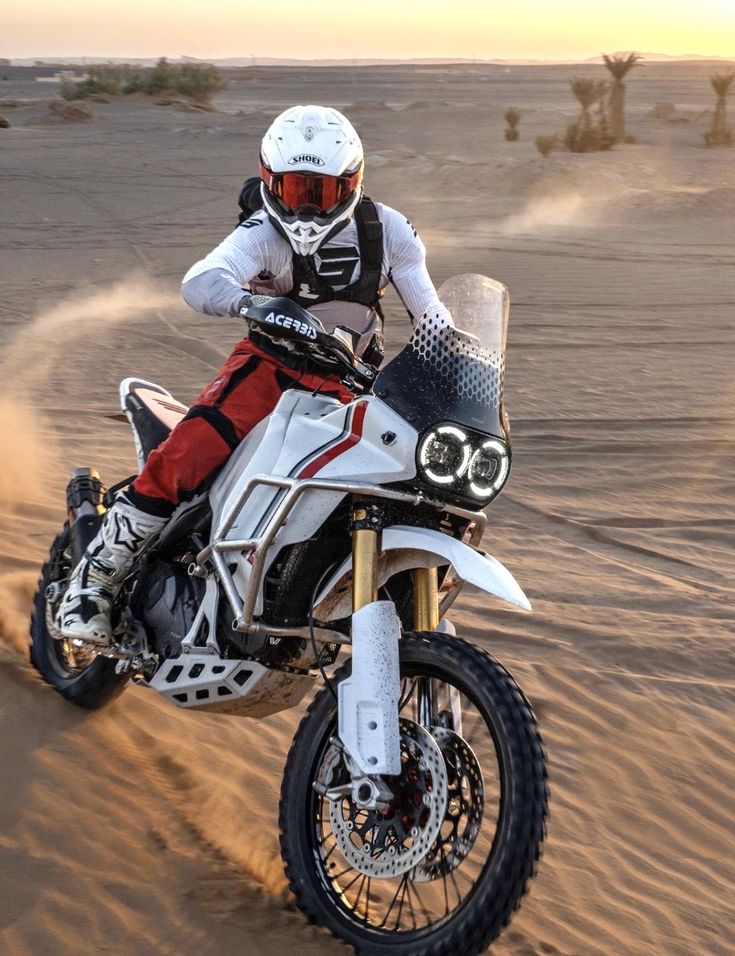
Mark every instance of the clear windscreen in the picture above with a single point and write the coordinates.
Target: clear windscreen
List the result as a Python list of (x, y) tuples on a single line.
[(480, 307), (454, 374)]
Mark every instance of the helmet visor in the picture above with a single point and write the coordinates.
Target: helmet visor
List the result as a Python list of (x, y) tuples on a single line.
[(297, 189)]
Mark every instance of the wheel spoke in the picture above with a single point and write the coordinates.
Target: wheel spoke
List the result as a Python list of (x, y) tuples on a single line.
[(356, 904), (404, 887), (354, 879), (419, 899), (330, 852), (410, 902), (370, 840), (395, 875), (443, 856)]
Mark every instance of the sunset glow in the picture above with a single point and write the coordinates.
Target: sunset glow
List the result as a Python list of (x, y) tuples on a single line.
[(380, 29)]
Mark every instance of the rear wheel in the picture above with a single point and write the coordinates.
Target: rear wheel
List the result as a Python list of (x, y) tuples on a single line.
[(80, 675), (367, 875)]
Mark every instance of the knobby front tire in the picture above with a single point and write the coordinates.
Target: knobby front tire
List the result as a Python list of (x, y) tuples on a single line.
[(514, 795)]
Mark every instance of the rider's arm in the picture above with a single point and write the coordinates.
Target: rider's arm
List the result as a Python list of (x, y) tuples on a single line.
[(214, 292), (406, 263), (215, 284)]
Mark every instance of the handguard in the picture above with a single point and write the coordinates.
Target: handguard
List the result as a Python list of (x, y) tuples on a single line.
[(280, 318)]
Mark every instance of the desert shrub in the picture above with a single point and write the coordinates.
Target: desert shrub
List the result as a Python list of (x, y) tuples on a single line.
[(719, 139), (512, 118), (70, 88), (589, 137), (101, 79), (545, 144), (159, 79), (199, 81), (4, 124), (195, 80), (105, 79), (71, 112), (667, 113)]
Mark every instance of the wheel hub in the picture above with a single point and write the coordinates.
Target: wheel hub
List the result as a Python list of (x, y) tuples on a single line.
[(393, 838)]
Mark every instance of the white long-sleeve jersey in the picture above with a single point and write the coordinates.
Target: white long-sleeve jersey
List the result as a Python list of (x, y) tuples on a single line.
[(255, 257)]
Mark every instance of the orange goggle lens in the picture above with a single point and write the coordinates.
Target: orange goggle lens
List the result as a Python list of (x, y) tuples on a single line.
[(295, 190)]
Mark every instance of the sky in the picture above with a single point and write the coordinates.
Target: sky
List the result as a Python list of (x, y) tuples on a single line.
[(393, 29)]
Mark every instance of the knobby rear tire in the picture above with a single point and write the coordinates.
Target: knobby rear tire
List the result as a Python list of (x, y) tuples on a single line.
[(521, 828), (91, 687)]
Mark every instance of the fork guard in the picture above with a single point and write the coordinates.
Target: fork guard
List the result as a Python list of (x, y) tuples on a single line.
[(424, 547), (368, 699)]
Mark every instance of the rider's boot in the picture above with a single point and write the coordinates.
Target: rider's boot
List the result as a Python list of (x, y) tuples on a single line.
[(84, 613)]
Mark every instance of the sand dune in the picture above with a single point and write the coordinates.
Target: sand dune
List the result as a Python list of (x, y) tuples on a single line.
[(145, 830)]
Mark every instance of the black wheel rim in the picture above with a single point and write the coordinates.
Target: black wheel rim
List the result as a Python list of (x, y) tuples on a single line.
[(418, 903)]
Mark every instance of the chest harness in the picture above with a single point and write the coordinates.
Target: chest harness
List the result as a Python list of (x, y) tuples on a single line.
[(365, 290), (310, 289)]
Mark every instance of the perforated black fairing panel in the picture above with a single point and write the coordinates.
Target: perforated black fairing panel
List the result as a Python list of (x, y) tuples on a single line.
[(443, 374)]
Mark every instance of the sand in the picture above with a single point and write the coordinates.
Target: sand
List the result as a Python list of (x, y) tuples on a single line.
[(145, 830)]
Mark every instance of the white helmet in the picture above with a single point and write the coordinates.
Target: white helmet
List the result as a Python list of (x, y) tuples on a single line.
[(311, 164)]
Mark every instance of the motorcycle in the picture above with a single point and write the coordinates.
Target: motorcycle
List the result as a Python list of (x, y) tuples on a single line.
[(414, 798)]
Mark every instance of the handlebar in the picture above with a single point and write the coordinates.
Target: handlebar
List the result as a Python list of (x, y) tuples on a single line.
[(286, 322)]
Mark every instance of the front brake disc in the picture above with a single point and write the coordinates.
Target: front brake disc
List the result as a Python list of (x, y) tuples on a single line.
[(465, 806), (392, 840)]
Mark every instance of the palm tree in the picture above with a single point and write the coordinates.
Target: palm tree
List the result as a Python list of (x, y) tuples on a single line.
[(619, 66), (585, 135), (720, 134), (587, 92)]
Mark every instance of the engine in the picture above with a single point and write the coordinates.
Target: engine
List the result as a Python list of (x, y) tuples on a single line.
[(169, 606)]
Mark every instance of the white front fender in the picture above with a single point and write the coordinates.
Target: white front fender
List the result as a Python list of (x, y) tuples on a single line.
[(423, 547)]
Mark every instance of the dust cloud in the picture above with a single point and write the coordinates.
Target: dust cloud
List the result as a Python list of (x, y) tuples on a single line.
[(550, 213), (29, 453), (26, 440), (16, 595), (39, 345)]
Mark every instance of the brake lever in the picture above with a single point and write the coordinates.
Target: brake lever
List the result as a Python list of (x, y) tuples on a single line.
[(353, 373), (365, 370)]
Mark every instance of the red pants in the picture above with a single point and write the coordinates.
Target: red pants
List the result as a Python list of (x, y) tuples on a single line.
[(246, 389)]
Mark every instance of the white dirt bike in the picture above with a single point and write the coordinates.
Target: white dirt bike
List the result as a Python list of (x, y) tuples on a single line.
[(414, 799)]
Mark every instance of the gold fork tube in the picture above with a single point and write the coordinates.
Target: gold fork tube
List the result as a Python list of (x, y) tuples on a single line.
[(364, 565), (425, 599)]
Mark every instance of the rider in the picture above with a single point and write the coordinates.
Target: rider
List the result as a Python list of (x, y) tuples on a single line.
[(316, 239)]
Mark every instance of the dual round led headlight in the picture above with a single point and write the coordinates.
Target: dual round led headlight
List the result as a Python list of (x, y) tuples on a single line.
[(463, 462)]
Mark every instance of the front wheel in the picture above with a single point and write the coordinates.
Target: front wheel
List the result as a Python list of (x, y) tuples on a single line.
[(366, 874), (80, 675)]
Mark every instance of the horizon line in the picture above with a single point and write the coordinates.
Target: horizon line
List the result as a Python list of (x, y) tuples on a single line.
[(80, 59)]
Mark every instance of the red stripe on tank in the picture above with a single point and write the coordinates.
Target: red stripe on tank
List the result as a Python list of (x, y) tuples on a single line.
[(358, 420)]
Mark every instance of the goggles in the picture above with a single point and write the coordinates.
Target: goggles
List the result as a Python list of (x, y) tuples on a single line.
[(297, 189)]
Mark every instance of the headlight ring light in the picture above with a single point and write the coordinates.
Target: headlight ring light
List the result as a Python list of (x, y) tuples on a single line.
[(464, 462), (489, 468)]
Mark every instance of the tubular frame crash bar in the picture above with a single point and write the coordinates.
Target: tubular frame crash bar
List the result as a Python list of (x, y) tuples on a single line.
[(294, 488)]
